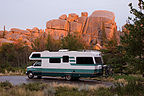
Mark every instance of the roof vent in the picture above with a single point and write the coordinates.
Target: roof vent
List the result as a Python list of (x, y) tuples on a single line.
[(63, 50)]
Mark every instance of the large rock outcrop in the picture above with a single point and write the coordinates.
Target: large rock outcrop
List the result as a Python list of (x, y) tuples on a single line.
[(100, 24)]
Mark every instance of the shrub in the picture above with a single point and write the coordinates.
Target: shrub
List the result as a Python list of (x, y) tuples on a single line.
[(65, 91), (49, 91), (34, 86), (83, 88), (133, 88), (103, 92), (128, 77), (6, 85)]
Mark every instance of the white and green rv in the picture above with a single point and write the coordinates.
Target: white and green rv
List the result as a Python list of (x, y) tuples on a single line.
[(64, 63)]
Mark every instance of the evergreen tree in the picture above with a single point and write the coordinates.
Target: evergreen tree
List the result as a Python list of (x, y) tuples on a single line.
[(72, 42), (104, 38), (39, 44), (133, 41), (4, 32), (52, 44), (13, 56)]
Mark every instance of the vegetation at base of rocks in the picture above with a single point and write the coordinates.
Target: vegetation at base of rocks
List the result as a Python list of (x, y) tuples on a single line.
[(13, 57), (73, 43), (52, 44), (70, 42), (39, 44), (132, 88)]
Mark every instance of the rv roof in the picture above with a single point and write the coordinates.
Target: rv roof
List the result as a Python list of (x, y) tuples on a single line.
[(66, 50)]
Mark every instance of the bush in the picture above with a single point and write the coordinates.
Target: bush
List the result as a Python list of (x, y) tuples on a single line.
[(103, 92), (34, 86), (128, 77), (6, 85), (49, 91), (66, 91), (133, 88)]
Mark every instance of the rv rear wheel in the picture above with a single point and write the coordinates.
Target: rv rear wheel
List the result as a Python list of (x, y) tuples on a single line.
[(68, 77), (30, 75)]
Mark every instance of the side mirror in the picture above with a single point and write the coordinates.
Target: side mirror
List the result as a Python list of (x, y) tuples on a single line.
[(34, 64)]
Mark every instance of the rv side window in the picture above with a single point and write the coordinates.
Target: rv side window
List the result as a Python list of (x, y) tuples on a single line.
[(54, 60), (65, 58), (36, 56), (84, 60), (98, 60)]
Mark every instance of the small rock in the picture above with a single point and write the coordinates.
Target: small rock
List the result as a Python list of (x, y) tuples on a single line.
[(63, 17), (72, 17), (84, 14)]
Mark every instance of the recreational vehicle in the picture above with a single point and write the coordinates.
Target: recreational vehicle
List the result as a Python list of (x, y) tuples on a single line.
[(64, 63)]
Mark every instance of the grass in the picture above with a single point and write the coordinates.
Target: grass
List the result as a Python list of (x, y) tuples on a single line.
[(132, 88), (16, 72), (120, 78), (128, 77)]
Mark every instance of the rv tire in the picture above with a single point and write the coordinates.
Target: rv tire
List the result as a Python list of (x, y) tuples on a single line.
[(30, 75), (68, 77)]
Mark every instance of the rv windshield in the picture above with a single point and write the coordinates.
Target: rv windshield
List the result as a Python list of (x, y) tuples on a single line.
[(98, 60), (37, 63)]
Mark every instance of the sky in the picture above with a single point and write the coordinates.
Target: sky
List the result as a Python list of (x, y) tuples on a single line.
[(25, 14)]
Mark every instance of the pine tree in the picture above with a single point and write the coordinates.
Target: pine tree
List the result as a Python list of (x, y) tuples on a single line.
[(52, 44), (4, 32), (72, 42), (104, 37), (39, 44), (133, 40)]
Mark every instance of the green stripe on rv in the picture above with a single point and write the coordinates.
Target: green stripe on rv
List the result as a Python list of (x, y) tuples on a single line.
[(63, 70), (50, 57), (72, 60)]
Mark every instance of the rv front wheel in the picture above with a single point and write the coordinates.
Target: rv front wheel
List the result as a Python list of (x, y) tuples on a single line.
[(68, 77), (30, 75)]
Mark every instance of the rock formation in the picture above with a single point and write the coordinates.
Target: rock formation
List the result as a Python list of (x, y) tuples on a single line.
[(2, 40), (100, 24), (92, 28), (15, 34)]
